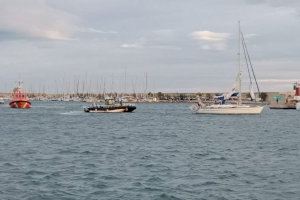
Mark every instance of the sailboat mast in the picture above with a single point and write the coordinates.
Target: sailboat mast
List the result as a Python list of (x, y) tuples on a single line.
[(146, 85), (239, 62)]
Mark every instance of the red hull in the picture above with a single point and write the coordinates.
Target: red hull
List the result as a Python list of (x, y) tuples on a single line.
[(19, 98), (20, 104)]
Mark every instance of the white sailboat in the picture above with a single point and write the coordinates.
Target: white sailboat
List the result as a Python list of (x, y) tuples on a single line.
[(236, 108)]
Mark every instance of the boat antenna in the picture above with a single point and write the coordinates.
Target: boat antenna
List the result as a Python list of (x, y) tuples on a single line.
[(20, 83)]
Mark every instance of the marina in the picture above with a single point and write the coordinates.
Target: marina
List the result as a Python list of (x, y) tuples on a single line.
[(149, 100)]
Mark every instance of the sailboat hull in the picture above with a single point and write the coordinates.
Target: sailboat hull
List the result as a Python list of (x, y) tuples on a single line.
[(231, 110)]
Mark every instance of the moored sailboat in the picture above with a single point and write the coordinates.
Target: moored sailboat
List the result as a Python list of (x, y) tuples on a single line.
[(238, 108), (19, 98)]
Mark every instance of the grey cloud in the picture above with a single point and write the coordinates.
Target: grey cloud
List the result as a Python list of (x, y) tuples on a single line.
[(155, 36), (34, 18)]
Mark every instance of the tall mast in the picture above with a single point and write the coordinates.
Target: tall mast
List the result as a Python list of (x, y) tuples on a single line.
[(125, 80), (146, 81), (239, 71), (146, 89)]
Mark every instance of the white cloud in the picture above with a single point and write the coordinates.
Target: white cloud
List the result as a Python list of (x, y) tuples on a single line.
[(132, 45), (139, 43), (93, 30), (166, 47), (164, 32), (35, 18), (151, 43), (210, 36), (211, 40), (214, 46)]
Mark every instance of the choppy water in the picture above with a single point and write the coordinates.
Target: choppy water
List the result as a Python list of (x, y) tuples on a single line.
[(162, 151)]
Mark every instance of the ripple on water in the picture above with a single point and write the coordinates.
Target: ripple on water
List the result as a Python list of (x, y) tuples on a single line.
[(217, 158), (154, 179), (209, 183), (67, 151), (200, 155), (161, 151), (227, 175), (165, 196), (8, 164), (86, 152), (90, 165), (72, 113), (55, 174), (109, 177), (35, 172), (100, 185)]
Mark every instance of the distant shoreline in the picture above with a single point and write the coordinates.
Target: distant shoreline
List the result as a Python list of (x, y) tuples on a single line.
[(150, 97)]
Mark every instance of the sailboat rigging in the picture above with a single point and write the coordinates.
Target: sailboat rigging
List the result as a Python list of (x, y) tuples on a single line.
[(221, 107)]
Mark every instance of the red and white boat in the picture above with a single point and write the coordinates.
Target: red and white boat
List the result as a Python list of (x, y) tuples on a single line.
[(19, 98)]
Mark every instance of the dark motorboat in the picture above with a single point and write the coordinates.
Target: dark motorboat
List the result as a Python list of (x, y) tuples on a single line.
[(110, 107)]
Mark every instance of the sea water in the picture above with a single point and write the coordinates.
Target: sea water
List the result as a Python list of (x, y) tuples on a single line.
[(161, 151)]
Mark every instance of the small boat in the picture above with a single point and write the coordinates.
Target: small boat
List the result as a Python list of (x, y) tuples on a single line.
[(1, 100), (110, 107), (19, 98), (220, 106)]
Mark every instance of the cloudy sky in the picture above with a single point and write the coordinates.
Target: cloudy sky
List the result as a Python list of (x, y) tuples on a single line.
[(182, 45)]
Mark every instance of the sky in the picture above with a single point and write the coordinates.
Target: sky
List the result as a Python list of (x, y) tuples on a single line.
[(146, 45)]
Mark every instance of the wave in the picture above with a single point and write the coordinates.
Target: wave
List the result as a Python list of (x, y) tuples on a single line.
[(72, 113)]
